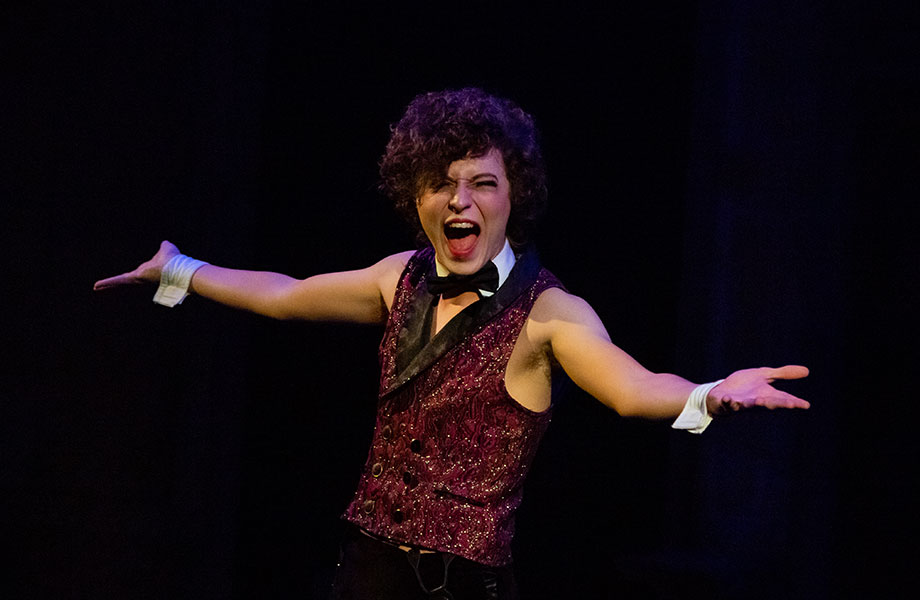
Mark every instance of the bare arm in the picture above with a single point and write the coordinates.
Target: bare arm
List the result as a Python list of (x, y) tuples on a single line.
[(361, 296), (572, 332)]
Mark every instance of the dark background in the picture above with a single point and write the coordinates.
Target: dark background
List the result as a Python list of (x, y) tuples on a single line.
[(732, 184)]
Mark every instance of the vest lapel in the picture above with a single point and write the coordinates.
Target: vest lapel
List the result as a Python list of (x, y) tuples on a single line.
[(415, 355)]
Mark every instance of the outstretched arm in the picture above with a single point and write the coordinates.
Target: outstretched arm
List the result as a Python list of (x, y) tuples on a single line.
[(574, 335), (361, 296)]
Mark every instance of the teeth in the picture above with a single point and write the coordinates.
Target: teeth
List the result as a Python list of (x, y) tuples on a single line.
[(456, 230)]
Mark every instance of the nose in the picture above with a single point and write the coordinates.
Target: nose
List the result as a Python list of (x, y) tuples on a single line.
[(461, 199)]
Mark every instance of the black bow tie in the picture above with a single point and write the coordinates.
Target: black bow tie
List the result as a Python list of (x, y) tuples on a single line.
[(452, 285)]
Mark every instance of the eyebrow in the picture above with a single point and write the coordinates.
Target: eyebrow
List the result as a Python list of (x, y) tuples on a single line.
[(473, 178)]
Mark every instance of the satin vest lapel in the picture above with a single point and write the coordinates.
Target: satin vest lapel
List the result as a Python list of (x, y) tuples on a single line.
[(470, 319)]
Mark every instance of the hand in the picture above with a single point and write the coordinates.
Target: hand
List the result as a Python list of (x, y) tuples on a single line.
[(751, 387), (146, 272)]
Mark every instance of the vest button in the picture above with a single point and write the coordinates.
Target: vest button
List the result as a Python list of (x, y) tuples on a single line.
[(387, 433), (368, 506), (409, 479), (398, 516), (377, 470), (415, 446)]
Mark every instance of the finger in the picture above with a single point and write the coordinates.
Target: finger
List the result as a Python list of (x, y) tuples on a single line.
[(728, 405), (788, 372), (796, 402), (784, 400), (117, 280)]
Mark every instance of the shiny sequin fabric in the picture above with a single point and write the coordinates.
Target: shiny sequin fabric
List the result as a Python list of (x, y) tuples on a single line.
[(451, 448)]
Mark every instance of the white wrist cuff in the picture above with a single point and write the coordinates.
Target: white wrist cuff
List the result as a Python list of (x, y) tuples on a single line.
[(695, 417), (175, 279)]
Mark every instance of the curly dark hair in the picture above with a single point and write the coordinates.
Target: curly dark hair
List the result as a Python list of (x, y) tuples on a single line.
[(441, 127)]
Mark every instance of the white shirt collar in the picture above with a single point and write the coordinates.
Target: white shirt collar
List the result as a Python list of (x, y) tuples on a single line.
[(504, 262)]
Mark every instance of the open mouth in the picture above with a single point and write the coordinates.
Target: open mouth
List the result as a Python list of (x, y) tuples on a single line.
[(461, 236)]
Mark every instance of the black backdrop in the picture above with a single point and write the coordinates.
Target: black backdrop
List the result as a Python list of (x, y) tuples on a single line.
[(731, 185)]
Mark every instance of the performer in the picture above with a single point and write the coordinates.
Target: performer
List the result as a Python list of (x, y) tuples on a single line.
[(476, 333)]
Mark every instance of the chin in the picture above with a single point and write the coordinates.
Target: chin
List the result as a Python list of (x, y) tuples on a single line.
[(460, 265)]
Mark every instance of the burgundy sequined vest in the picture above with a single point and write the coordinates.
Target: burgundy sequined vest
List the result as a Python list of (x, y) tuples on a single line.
[(451, 448)]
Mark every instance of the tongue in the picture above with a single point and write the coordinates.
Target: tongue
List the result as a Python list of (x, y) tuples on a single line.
[(462, 246)]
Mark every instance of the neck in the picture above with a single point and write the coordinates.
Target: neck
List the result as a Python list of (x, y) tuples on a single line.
[(448, 308)]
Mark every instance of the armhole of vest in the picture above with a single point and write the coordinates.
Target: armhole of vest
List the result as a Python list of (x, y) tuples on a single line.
[(410, 271), (558, 383), (415, 262), (544, 281), (416, 266)]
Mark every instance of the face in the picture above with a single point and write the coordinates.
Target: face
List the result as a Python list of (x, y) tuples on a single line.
[(465, 214)]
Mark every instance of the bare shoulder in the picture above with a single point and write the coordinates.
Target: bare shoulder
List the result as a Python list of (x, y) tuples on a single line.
[(394, 262), (556, 313), (556, 304)]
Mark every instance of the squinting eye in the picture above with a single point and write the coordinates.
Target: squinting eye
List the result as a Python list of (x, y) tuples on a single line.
[(487, 183)]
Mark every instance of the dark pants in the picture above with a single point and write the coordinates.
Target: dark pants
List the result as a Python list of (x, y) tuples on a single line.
[(370, 569)]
